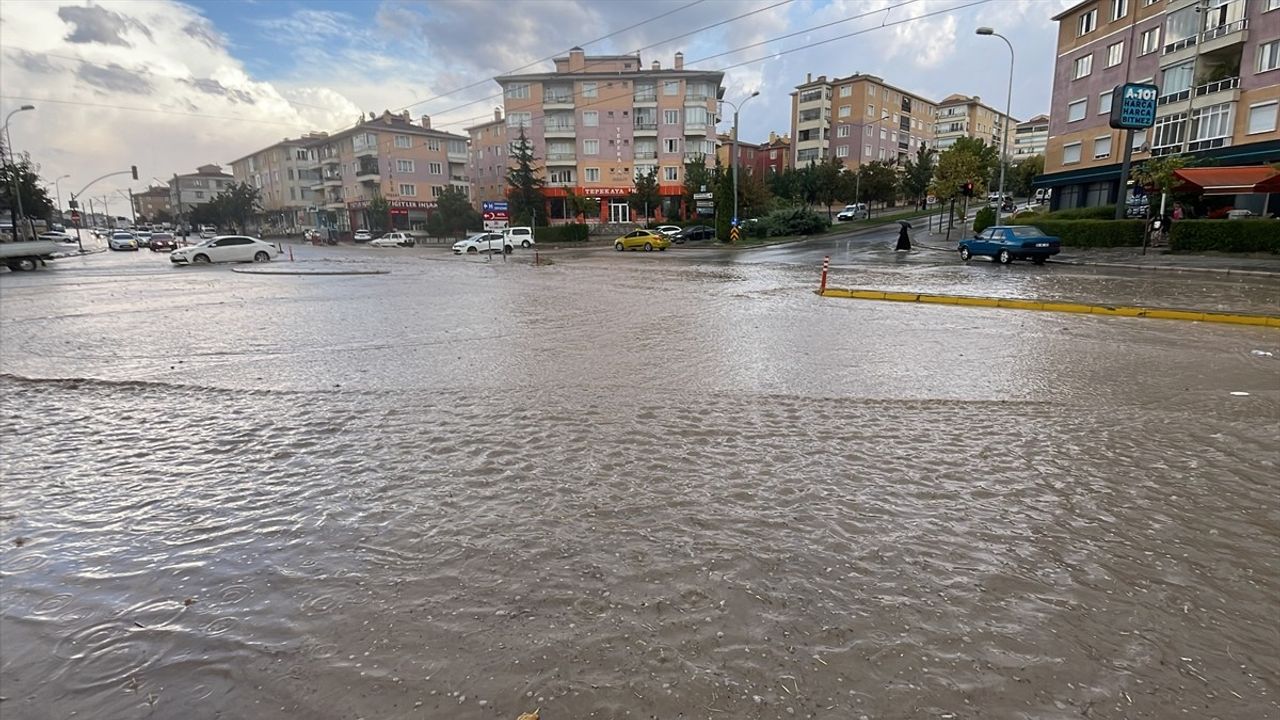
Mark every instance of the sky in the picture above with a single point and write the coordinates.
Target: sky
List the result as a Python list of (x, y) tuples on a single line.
[(169, 85)]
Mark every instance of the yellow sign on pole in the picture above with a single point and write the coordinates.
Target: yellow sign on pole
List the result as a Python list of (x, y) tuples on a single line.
[(733, 234)]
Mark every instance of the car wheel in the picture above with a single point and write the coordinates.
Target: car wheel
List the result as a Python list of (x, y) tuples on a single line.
[(618, 247), (201, 259), (525, 244), (648, 247), (473, 249), (261, 256), (1039, 260), (22, 265), (965, 255), (507, 249), (1004, 257)]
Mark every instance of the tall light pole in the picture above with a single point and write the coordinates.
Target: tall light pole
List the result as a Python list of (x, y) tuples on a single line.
[(1004, 125), (58, 191), (16, 211), (734, 151)]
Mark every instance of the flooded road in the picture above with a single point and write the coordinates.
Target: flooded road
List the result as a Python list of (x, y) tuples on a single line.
[(637, 486)]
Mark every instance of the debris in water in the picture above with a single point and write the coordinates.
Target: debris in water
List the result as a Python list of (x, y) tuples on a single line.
[(1263, 353), (19, 541), (1239, 393), (530, 716), (188, 602)]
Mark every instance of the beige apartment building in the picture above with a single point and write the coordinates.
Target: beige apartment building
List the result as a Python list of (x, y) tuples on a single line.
[(191, 189), (152, 202), (597, 122), (858, 119), (1029, 138), (283, 174), (488, 160), (385, 155), (965, 116), (1216, 64)]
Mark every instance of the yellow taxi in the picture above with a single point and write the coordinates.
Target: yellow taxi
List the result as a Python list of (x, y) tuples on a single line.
[(650, 240)]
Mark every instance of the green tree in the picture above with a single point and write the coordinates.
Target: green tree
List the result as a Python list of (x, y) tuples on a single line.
[(379, 213), (754, 197), (582, 205), (957, 165), (456, 213), (827, 182), (524, 178), (35, 200), (918, 172), (696, 176), (1157, 174), (645, 197), (988, 158), (722, 182), (877, 182), (1024, 173), (784, 185)]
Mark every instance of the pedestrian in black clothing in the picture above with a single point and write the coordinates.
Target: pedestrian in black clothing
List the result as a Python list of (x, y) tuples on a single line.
[(904, 240)]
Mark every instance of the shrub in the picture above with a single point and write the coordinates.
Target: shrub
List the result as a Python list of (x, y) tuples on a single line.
[(1225, 236), (1102, 212), (562, 233), (986, 218), (1089, 233), (794, 221)]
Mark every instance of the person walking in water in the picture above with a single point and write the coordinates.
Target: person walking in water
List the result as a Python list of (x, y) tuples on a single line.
[(904, 240)]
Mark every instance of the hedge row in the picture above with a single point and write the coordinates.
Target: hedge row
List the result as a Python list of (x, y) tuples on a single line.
[(1102, 212), (562, 233), (1225, 236), (1089, 233)]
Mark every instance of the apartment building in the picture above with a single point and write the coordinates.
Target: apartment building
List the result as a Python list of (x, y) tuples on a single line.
[(759, 159), (1029, 138), (597, 122), (488, 160), (964, 116), (1216, 62), (409, 164), (283, 174), (778, 154), (152, 202), (857, 119), (197, 188)]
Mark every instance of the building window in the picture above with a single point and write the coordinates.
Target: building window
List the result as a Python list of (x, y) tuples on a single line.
[(845, 111), (842, 131), (590, 147), (199, 194), (671, 145), (1077, 110), (1180, 25), (1119, 8), (773, 154), (1139, 139), (519, 119), (1211, 122), (592, 174), (1082, 67), (1071, 153), (591, 118), (433, 145), (1271, 5), (881, 154), (435, 168), (671, 88), (1115, 54), (670, 117), (408, 190), (1104, 102), (866, 151), (293, 193), (589, 90), (1101, 147), (1168, 130), (1087, 23), (437, 190), (1269, 56), (403, 141), (1262, 117), (518, 91), (1150, 41), (871, 91), (406, 166), (1177, 78), (847, 90), (671, 174), (871, 111), (867, 130), (842, 151)]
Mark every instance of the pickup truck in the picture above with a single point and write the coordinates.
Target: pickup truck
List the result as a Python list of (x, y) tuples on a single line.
[(519, 236), (28, 254)]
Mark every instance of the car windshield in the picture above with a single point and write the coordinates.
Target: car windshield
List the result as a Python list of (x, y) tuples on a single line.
[(1026, 231)]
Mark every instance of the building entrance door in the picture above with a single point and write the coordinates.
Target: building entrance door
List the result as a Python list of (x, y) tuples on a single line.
[(619, 212)]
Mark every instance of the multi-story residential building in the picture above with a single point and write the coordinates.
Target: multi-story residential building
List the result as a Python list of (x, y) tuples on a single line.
[(761, 159), (1216, 62), (488, 161), (1030, 138), (964, 116), (777, 154), (197, 188), (390, 156), (283, 174), (857, 119), (597, 122), (152, 203)]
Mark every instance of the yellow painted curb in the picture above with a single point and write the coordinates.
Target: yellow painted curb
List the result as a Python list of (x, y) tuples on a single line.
[(1060, 306)]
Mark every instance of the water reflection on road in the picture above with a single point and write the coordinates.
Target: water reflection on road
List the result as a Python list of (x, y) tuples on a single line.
[(645, 484)]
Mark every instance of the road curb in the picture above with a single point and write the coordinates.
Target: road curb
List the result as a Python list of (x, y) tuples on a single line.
[(247, 271), (1212, 316), (1170, 268)]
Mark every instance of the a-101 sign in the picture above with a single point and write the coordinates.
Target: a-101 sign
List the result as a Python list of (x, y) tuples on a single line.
[(1133, 106)]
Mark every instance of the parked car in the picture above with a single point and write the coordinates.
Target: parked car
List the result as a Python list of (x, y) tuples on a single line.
[(122, 241), (225, 248), (1006, 243), (361, 236), (670, 231), (394, 239), (853, 211), (519, 236), (695, 232), (207, 232), (143, 237), (489, 242), (647, 239), (163, 241), (58, 236)]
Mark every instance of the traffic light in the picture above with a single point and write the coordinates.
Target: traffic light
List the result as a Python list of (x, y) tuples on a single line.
[(134, 168), (74, 203), (967, 189)]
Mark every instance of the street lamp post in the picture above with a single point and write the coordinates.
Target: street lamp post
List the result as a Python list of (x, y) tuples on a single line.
[(1004, 125), (734, 151), (16, 211), (58, 192)]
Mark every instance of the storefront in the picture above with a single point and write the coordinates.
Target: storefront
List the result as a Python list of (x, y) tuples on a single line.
[(405, 214), (614, 204)]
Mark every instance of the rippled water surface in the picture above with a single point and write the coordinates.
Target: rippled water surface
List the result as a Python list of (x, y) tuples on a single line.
[(641, 488)]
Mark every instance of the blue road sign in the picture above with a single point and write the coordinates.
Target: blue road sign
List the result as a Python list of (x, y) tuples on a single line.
[(1133, 106)]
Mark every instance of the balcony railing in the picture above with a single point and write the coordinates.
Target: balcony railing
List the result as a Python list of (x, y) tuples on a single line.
[(1209, 144), (1166, 150), (697, 97), (645, 97), (1173, 97), (1177, 45), (557, 100), (652, 126), (646, 154), (561, 156), (1230, 83), (1227, 29), (558, 128), (460, 178), (695, 127)]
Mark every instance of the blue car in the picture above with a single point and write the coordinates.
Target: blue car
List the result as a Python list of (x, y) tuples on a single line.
[(1006, 243)]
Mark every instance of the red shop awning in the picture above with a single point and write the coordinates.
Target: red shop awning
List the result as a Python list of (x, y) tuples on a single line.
[(1241, 180)]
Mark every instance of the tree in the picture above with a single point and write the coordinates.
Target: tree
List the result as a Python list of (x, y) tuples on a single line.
[(784, 185), (581, 205), (696, 177), (379, 213), (455, 212), (988, 157), (918, 173), (827, 182), (35, 200), (1156, 175), (645, 197), (524, 178), (722, 182), (1024, 173), (753, 196), (878, 182), (957, 165)]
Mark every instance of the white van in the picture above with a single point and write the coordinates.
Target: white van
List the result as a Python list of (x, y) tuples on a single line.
[(519, 236), (1043, 195)]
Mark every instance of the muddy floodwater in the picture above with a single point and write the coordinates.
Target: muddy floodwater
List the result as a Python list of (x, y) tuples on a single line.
[(640, 487)]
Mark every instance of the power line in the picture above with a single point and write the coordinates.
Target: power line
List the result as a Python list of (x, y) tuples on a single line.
[(851, 18), (156, 111)]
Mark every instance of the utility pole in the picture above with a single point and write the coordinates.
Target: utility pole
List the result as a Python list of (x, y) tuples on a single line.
[(133, 211)]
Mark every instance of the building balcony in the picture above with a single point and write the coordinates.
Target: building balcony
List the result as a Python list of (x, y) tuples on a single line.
[(695, 128), (365, 150), (646, 155), (645, 128), (335, 205), (1224, 36), (693, 157), (367, 176), (562, 183), (562, 158), (1209, 144), (331, 160), (458, 158), (1166, 150), (1219, 91), (696, 97), (1178, 51), (645, 99), (558, 102), (332, 181), (460, 178), (558, 130)]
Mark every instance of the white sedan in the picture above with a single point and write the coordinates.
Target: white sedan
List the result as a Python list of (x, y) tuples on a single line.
[(669, 230), (122, 241), (394, 239), (58, 236), (225, 248), (361, 236), (490, 242)]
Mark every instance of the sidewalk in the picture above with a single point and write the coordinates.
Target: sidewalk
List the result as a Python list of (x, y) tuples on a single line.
[(1157, 259)]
